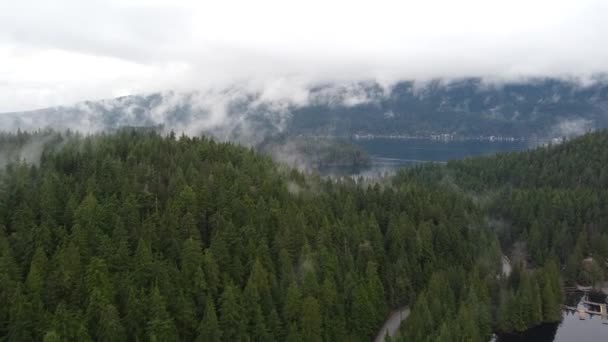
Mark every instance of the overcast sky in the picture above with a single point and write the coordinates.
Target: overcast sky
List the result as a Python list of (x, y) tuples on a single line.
[(62, 51)]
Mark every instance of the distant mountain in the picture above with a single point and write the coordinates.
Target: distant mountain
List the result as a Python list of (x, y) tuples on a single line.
[(227, 115), (538, 108), (542, 108)]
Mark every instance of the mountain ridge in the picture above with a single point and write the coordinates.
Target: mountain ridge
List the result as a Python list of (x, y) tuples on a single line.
[(470, 107)]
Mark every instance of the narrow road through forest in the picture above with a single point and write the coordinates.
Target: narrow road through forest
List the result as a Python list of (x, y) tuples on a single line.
[(506, 266), (392, 323)]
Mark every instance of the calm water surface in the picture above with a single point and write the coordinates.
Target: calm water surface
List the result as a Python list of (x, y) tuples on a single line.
[(409, 151), (389, 155), (570, 329)]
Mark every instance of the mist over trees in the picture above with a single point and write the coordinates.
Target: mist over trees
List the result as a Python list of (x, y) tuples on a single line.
[(138, 236), (468, 107), (553, 199), (547, 208)]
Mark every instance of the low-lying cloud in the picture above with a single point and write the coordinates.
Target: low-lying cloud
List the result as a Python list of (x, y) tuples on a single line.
[(67, 51), (246, 114), (568, 128), (251, 112)]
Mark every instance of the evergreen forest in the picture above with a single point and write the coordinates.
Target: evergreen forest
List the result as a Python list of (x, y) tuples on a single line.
[(136, 236)]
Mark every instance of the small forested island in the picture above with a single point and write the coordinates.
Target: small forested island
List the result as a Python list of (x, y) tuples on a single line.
[(138, 236), (309, 153)]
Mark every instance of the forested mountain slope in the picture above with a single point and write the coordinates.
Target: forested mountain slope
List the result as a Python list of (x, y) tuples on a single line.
[(470, 107), (548, 205), (579, 163), (135, 236)]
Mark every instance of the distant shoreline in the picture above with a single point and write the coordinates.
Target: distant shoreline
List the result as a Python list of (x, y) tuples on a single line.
[(442, 138)]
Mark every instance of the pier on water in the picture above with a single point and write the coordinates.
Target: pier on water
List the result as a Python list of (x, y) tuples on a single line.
[(586, 306)]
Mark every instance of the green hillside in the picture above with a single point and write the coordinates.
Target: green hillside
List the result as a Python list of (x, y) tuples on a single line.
[(134, 236), (137, 236), (549, 208)]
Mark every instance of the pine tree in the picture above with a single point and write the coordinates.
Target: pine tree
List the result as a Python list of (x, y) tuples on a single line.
[(143, 265), (109, 327), (159, 326), (536, 304), (311, 320), (136, 307), (253, 313), (292, 308), (275, 326), (550, 306), (363, 312), (231, 314), (9, 275), (51, 336), (36, 276), (22, 325), (376, 292), (209, 328), (212, 273), (293, 333), (69, 325)]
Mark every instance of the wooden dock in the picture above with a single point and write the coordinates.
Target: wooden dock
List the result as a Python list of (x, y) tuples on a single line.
[(579, 309)]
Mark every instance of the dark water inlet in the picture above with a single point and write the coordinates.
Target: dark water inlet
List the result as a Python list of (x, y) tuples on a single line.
[(572, 328), (389, 155), (407, 151)]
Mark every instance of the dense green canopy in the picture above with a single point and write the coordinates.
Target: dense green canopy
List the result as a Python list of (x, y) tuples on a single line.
[(137, 236), (549, 208)]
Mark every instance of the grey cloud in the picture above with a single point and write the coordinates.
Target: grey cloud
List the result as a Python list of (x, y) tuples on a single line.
[(135, 33), (28, 151), (264, 43), (572, 127), (246, 114)]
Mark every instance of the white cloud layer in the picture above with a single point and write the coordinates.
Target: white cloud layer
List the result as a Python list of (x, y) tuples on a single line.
[(63, 51)]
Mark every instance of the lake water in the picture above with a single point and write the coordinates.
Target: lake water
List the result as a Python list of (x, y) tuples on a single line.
[(389, 155), (570, 329), (408, 151), (592, 329)]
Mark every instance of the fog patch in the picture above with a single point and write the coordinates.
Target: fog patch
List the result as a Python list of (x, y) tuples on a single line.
[(289, 154), (349, 94), (245, 114), (293, 188), (28, 152), (570, 128)]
